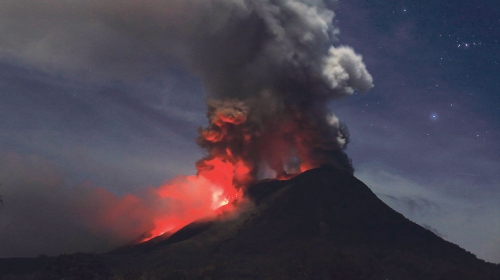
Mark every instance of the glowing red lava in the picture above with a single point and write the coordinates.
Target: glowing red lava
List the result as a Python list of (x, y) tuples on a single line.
[(200, 196)]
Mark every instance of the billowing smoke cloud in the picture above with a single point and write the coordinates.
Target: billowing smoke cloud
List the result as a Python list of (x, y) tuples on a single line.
[(269, 66)]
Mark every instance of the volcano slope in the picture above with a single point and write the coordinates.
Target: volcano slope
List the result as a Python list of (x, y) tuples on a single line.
[(322, 224)]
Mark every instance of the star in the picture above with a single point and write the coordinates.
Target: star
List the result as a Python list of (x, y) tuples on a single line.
[(433, 117)]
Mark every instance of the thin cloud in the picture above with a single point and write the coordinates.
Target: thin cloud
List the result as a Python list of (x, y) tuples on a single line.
[(469, 222)]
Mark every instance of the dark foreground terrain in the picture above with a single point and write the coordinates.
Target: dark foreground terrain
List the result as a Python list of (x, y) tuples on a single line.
[(322, 224)]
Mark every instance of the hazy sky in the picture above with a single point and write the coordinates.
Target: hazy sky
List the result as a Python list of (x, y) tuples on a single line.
[(425, 138)]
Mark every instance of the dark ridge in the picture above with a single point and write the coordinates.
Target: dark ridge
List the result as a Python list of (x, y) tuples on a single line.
[(22, 265)]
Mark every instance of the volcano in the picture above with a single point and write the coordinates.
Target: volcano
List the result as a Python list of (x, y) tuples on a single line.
[(321, 224)]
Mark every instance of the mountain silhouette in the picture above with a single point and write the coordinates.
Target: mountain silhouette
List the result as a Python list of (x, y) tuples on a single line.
[(321, 224)]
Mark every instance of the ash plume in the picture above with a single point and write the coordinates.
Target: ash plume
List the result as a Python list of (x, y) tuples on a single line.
[(269, 66), (271, 91)]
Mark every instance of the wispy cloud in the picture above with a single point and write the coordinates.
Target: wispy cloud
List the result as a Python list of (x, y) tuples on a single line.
[(471, 222)]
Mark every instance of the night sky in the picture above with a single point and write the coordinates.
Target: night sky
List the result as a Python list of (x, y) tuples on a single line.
[(424, 139)]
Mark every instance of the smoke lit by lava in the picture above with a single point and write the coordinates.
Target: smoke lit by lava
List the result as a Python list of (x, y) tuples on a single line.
[(269, 67), (268, 106)]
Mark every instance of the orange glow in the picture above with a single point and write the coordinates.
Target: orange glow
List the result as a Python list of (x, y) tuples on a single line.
[(236, 120), (205, 195), (286, 176), (217, 186), (237, 152), (304, 166), (223, 172), (241, 171), (212, 136)]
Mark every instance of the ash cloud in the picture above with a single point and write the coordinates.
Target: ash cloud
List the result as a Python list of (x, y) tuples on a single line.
[(275, 56), (269, 67), (236, 46)]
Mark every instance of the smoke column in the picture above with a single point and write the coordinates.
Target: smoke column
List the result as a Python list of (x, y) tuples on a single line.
[(269, 68)]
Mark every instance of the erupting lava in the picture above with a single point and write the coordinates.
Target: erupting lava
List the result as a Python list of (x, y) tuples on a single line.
[(241, 146), (197, 197), (270, 70), (238, 149), (219, 181)]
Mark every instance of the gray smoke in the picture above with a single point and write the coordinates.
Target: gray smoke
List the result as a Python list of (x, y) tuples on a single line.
[(269, 66)]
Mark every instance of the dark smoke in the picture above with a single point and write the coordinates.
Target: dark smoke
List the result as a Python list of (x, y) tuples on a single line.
[(269, 62), (270, 69), (273, 89)]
